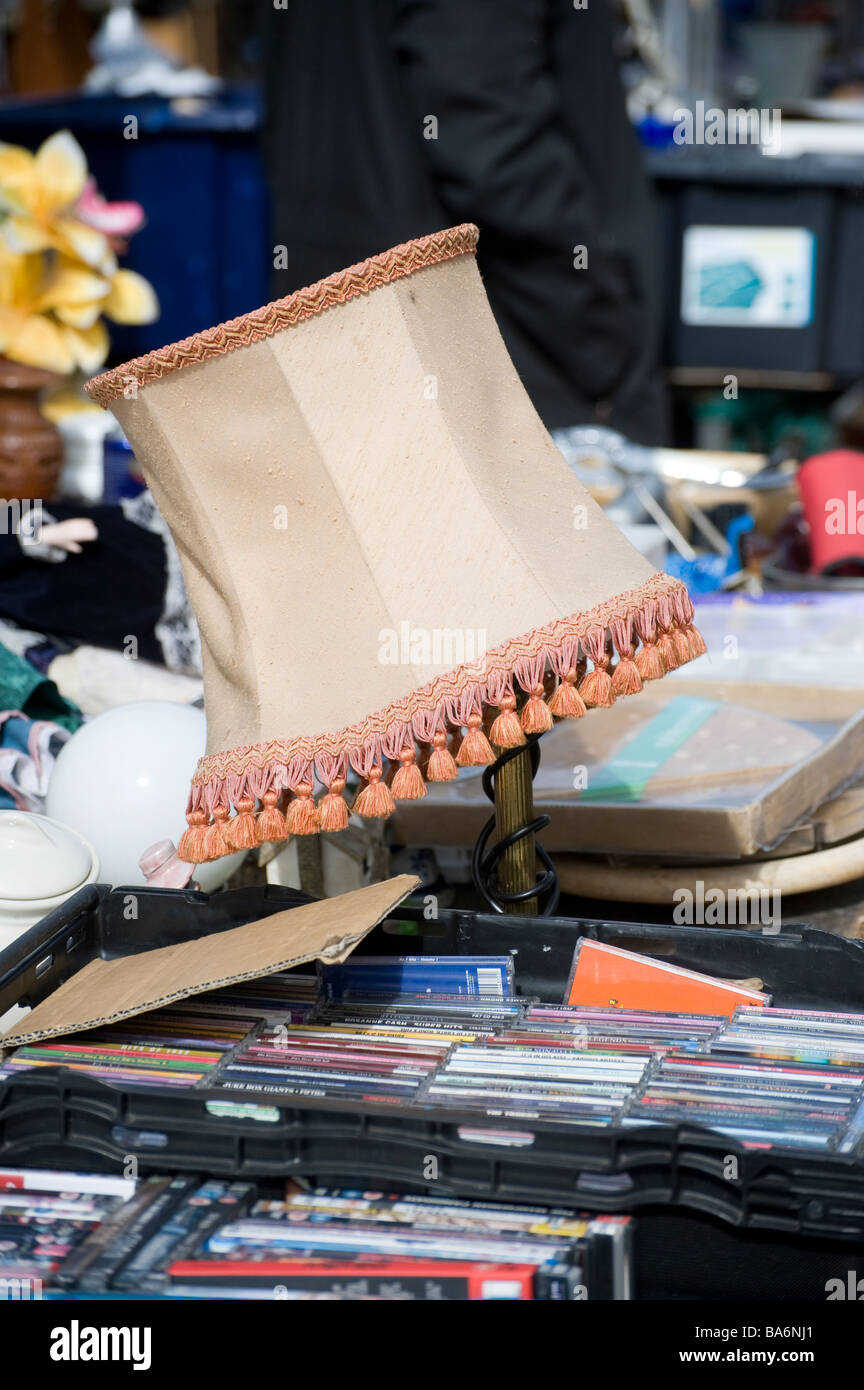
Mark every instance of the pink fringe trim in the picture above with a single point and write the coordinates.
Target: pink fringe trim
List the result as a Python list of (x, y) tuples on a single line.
[(412, 733)]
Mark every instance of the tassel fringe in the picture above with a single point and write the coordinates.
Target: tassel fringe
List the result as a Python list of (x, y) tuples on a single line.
[(536, 717), (506, 731), (696, 642), (441, 766), (682, 646), (649, 662), (565, 702), (475, 749), (654, 634), (194, 838), (302, 817), (596, 688), (242, 832), (668, 651), (271, 825), (408, 784), (333, 812), (217, 840), (375, 800), (626, 679)]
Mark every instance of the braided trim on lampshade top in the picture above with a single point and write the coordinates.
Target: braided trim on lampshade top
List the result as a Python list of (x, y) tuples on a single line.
[(282, 313)]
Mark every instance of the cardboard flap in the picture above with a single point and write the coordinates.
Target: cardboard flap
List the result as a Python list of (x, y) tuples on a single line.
[(108, 990)]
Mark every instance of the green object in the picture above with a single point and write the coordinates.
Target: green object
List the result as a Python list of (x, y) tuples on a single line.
[(402, 928), (24, 688), (626, 774), (241, 1110)]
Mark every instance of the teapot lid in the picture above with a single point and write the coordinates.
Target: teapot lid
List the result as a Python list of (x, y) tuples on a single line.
[(40, 858)]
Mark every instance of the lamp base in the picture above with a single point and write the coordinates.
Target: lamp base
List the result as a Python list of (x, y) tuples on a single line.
[(506, 875)]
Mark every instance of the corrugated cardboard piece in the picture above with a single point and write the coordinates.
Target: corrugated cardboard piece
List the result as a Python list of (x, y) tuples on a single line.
[(108, 990)]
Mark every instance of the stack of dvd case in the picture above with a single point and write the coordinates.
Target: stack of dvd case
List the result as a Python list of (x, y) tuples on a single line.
[(372, 1244), (69, 1234)]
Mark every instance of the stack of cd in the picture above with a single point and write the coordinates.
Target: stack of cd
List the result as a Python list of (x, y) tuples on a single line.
[(307, 1061), (581, 1085), (565, 1062), (770, 1076), (615, 1030), (367, 1051), (442, 1011), (790, 1035), (94, 1232), (179, 1046), (382, 1044), (286, 996)]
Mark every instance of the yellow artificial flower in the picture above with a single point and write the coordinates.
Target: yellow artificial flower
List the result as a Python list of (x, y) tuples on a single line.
[(32, 304), (131, 299), (75, 295), (38, 192), (58, 272), (79, 297), (26, 335)]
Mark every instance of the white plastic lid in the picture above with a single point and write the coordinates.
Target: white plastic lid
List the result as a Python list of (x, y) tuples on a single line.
[(40, 858)]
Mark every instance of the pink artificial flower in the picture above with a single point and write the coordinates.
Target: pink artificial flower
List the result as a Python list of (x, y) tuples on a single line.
[(112, 219)]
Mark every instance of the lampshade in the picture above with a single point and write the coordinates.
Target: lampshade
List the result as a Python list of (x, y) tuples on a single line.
[(392, 566)]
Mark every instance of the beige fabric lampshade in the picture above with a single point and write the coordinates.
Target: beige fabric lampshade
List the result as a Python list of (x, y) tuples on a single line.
[(383, 546)]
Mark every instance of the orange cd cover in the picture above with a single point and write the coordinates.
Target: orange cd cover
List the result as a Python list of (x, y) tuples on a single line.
[(612, 978)]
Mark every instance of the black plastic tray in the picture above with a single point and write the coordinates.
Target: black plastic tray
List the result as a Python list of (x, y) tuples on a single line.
[(57, 1118), (801, 967)]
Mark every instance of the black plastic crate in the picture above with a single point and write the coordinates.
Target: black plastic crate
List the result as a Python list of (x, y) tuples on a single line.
[(801, 967), (58, 1118)]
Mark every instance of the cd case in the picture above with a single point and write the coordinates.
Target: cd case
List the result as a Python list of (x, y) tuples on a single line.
[(609, 977)]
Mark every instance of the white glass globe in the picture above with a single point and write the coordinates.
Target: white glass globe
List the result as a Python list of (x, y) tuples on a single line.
[(122, 782)]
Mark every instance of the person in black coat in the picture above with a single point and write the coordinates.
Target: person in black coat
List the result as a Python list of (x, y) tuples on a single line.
[(388, 119)]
